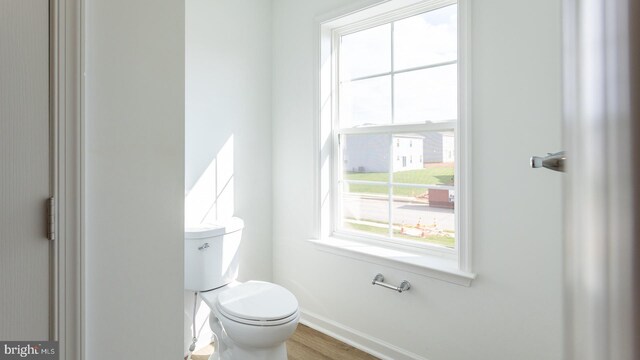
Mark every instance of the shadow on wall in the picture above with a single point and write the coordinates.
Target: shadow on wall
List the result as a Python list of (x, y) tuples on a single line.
[(212, 196)]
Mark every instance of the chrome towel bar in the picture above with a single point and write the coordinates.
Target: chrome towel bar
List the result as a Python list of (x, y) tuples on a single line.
[(379, 280)]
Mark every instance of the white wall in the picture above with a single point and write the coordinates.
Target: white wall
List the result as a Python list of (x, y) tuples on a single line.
[(228, 125), (513, 309), (134, 142)]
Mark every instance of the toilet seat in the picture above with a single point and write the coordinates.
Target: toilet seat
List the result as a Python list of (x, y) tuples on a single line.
[(258, 303)]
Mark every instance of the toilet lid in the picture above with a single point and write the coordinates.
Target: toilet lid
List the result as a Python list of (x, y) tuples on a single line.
[(259, 301)]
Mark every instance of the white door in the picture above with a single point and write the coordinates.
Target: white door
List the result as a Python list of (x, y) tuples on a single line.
[(602, 207), (25, 185)]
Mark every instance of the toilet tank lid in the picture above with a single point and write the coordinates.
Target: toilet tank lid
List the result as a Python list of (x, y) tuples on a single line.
[(211, 229)]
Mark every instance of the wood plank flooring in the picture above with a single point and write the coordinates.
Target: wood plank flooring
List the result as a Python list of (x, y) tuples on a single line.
[(309, 344)]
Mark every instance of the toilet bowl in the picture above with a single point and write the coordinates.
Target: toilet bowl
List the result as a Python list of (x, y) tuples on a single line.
[(253, 320), (250, 320)]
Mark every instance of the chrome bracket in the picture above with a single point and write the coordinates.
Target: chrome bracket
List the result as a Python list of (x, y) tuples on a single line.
[(379, 280)]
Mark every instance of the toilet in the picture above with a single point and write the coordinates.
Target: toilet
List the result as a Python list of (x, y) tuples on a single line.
[(250, 320)]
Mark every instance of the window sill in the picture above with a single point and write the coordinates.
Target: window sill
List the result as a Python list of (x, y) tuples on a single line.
[(426, 265)]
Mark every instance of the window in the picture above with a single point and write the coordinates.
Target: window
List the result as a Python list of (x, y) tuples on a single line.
[(392, 96), (397, 82)]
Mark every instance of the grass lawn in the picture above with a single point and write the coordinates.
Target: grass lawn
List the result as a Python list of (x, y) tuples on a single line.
[(431, 175), (447, 241)]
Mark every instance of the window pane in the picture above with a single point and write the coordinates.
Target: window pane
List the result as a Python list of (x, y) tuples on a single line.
[(366, 157), (365, 53), (421, 213), (365, 102), (366, 209), (426, 95), (416, 219), (426, 39), (426, 158), (366, 205)]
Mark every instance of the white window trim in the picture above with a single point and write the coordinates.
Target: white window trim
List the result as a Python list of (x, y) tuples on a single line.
[(423, 261)]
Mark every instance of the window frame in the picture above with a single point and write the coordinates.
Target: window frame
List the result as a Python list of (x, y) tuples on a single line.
[(387, 129), (425, 259)]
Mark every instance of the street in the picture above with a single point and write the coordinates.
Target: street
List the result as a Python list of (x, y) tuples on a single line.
[(405, 212)]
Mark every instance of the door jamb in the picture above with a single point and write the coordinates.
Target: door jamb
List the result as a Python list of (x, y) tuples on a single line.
[(67, 124)]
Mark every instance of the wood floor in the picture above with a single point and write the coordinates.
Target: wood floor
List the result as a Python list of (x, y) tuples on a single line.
[(308, 344)]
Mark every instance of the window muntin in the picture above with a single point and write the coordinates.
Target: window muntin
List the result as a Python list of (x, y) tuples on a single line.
[(400, 107)]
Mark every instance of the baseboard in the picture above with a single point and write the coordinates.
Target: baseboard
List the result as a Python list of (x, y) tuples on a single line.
[(357, 339)]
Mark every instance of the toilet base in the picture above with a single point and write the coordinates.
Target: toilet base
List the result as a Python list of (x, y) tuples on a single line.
[(241, 341), (237, 353), (226, 349)]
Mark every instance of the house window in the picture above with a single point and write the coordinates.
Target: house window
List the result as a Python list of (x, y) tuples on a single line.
[(396, 86), (397, 81)]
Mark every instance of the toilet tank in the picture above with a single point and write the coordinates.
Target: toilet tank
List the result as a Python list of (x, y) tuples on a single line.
[(211, 254)]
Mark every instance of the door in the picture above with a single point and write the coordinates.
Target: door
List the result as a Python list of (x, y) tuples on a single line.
[(602, 209), (25, 173)]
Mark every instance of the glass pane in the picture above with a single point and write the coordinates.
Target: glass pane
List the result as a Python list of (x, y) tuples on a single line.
[(365, 53), (415, 219), (426, 95), (421, 213), (366, 157), (365, 102), (426, 158), (366, 206), (366, 209), (426, 39)]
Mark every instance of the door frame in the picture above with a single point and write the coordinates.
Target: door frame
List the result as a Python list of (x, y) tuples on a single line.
[(602, 204), (66, 124)]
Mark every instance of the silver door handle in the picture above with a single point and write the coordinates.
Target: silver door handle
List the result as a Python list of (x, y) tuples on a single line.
[(553, 161)]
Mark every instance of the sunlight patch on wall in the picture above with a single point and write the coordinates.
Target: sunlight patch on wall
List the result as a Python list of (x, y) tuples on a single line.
[(212, 196), (225, 206)]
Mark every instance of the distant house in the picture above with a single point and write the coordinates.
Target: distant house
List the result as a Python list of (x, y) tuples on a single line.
[(439, 147), (448, 148), (371, 153)]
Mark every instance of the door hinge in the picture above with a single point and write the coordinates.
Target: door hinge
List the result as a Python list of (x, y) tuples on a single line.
[(51, 218)]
